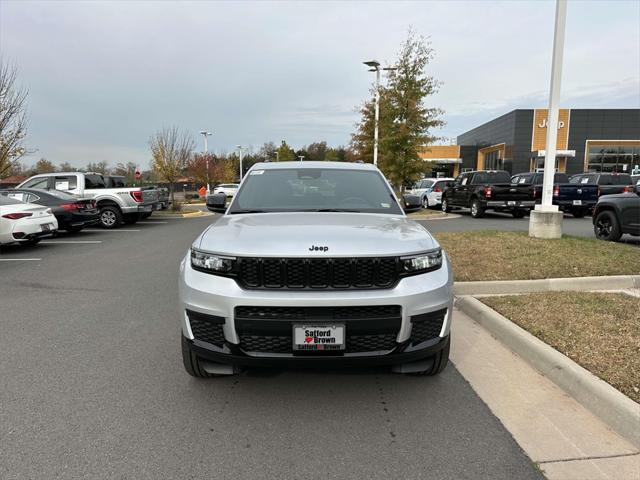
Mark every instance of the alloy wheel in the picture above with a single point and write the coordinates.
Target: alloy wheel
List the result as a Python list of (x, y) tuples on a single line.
[(604, 228), (108, 218)]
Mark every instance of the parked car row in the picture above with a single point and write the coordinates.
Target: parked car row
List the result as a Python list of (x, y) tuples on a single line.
[(116, 203), (497, 190)]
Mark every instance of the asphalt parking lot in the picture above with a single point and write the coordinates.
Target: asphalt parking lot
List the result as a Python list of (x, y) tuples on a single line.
[(94, 387)]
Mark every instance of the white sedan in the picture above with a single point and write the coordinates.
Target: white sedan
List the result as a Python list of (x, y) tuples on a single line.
[(430, 190), (229, 189), (24, 223)]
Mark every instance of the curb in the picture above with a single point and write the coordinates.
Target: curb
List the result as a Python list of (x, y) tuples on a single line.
[(613, 407), (616, 282)]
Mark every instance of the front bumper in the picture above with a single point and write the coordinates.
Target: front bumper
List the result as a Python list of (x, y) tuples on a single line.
[(403, 353), (219, 296)]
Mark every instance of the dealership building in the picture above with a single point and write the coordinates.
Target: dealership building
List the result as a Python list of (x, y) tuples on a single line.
[(589, 140)]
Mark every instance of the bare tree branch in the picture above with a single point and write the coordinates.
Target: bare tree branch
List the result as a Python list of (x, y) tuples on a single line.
[(171, 150), (13, 117)]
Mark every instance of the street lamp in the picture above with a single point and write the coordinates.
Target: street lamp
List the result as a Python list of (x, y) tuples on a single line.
[(206, 134), (375, 67), (240, 149), (545, 221)]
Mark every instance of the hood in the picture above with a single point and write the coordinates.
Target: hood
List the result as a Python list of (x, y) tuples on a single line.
[(297, 234)]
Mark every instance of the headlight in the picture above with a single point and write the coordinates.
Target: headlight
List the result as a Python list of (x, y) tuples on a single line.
[(210, 262), (425, 262)]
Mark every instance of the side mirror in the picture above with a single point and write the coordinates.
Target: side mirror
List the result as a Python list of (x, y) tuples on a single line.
[(217, 203), (411, 203)]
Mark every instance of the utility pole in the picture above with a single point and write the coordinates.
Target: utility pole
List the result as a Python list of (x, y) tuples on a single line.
[(375, 67), (545, 220), (206, 134), (240, 149)]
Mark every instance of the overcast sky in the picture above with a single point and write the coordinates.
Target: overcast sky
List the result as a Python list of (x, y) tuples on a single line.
[(102, 77)]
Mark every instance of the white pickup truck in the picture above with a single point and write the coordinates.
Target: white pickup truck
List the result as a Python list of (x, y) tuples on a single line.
[(117, 205)]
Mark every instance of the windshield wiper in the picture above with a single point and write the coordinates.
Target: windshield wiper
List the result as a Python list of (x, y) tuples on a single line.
[(247, 210)]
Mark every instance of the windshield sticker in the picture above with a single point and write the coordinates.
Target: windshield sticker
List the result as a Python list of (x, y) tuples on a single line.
[(385, 205), (256, 172), (585, 180)]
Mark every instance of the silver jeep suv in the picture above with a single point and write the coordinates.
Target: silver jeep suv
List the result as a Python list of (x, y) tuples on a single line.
[(314, 264)]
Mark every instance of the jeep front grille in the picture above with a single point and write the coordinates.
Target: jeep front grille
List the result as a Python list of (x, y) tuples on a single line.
[(318, 273)]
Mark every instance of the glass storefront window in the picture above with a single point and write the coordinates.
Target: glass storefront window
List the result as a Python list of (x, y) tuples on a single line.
[(492, 161), (613, 158)]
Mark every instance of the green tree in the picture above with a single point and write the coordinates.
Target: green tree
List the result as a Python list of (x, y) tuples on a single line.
[(285, 152), (406, 122), (44, 166)]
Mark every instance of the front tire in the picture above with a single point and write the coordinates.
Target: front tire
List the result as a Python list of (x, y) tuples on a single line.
[(607, 227), (425, 202), (476, 209), (578, 213), (192, 362), (518, 213), (440, 361), (110, 217), (445, 206)]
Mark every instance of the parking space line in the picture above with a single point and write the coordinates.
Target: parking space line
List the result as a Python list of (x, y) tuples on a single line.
[(20, 259), (63, 242), (151, 223), (106, 230)]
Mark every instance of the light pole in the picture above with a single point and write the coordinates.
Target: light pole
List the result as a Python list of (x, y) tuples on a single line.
[(545, 220), (239, 147), (206, 134), (375, 67)]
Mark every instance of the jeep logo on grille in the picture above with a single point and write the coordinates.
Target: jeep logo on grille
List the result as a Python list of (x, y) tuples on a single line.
[(316, 248)]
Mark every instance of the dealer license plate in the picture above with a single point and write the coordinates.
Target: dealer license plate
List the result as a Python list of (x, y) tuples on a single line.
[(318, 337), (577, 202), (512, 203)]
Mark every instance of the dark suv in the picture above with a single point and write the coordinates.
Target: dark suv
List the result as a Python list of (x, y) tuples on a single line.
[(617, 214)]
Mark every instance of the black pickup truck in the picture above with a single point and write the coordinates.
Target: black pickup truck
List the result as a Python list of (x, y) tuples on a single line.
[(488, 190), (575, 198), (608, 183)]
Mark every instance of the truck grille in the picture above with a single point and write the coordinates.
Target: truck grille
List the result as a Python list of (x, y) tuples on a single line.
[(318, 273), (269, 329), (427, 326)]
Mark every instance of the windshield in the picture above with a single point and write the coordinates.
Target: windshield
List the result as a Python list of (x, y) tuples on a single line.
[(317, 189)]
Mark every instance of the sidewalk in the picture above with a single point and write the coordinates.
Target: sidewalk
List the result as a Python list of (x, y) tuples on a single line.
[(560, 435)]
